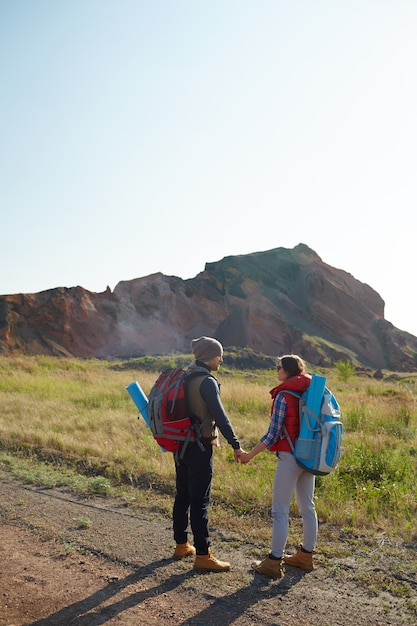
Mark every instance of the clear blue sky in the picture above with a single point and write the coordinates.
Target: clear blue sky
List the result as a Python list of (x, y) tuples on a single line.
[(143, 136)]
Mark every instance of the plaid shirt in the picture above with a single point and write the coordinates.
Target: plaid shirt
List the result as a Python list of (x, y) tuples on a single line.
[(277, 419)]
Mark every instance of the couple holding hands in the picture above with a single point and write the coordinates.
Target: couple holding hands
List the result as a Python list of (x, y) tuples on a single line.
[(194, 471)]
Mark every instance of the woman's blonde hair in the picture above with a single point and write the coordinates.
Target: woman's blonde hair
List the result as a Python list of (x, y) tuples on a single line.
[(292, 364)]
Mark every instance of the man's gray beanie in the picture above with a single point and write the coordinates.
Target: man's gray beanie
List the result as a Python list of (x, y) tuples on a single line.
[(206, 348)]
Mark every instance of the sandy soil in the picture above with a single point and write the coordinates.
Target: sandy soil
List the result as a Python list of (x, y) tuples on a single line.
[(120, 570)]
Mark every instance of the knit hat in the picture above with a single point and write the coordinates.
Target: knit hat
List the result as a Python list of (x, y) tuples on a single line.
[(206, 348)]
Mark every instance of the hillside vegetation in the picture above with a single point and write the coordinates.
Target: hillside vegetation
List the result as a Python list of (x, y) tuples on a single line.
[(71, 422)]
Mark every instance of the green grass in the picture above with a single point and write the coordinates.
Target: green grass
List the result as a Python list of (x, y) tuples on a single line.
[(70, 422)]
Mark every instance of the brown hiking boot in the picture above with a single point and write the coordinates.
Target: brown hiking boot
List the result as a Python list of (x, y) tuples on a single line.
[(269, 567), (209, 563), (303, 560), (183, 549)]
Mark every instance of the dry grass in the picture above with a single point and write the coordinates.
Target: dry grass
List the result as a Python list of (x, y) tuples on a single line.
[(75, 413)]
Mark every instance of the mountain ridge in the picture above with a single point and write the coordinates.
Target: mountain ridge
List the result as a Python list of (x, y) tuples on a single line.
[(277, 301)]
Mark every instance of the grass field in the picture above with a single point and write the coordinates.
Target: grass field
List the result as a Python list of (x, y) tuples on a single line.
[(71, 422)]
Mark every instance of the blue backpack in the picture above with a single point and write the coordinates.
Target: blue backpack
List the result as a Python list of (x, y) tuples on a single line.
[(318, 446)]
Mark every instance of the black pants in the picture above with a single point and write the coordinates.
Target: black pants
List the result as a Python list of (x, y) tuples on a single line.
[(194, 473)]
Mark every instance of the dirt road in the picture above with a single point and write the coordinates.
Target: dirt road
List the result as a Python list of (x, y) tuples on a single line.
[(57, 569)]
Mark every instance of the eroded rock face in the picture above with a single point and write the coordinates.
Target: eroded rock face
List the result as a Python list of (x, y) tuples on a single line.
[(273, 302)]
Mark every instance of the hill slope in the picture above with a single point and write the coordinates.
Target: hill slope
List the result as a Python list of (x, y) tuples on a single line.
[(281, 300)]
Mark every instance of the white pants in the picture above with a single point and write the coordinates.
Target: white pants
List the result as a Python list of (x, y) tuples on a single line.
[(290, 477)]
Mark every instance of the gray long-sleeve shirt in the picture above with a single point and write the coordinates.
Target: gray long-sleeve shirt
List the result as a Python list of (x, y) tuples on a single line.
[(210, 392)]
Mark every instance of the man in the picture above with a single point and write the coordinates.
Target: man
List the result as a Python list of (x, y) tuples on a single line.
[(194, 470)]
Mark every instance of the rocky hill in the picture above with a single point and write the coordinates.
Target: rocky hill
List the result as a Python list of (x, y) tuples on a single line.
[(273, 302)]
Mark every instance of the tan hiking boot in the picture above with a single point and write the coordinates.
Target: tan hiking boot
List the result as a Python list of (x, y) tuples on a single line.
[(269, 567), (183, 549), (209, 563), (303, 560)]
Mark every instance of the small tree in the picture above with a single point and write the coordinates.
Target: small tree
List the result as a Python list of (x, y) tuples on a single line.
[(345, 370)]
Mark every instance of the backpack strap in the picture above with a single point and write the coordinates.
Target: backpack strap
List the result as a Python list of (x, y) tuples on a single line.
[(194, 433)]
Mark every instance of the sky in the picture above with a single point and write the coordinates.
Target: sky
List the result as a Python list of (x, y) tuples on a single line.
[(143, 136)]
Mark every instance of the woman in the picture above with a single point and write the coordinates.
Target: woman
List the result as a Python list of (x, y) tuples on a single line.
[(289, 476)]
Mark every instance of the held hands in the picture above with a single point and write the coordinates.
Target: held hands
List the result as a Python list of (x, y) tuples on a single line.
[(241, 456), (237, 453)]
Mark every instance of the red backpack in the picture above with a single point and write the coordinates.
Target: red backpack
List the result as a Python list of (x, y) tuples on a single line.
[(169, 418)]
